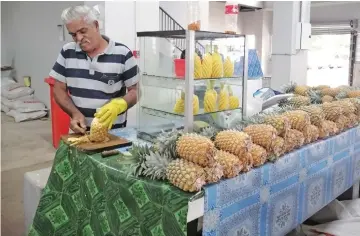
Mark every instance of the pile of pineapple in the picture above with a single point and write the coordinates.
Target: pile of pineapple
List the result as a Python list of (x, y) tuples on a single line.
[(212, 100), (212, 65), (191, 160)]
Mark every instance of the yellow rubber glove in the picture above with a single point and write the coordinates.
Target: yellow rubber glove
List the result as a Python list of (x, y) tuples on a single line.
[(108, 113)]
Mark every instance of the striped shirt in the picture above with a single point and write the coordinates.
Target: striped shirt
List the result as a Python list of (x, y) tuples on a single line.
[(92, 82)]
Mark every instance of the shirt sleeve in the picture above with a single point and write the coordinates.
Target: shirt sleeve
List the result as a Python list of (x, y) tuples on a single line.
[(58, 71), (131, 70)]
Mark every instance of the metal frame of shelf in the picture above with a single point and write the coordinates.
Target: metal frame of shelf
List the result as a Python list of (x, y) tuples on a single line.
[(189, 82)]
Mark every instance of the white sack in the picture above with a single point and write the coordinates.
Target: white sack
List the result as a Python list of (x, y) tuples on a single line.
[(20, 116), (5, 108), (349, 227), (24, 104), (15, 90)]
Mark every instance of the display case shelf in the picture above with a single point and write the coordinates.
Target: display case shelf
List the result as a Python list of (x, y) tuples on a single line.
[(181, 34), (176, 82), (165, 111)]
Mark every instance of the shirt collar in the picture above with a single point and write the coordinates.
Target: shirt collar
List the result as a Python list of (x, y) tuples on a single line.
[(108, 50)]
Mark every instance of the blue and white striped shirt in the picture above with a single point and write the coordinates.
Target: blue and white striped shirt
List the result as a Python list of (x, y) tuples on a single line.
[(92, 82)]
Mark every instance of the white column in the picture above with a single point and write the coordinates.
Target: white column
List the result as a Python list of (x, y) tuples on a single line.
[(288, 62)]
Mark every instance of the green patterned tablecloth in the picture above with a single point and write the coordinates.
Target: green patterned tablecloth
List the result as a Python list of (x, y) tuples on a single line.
[(90, 195)]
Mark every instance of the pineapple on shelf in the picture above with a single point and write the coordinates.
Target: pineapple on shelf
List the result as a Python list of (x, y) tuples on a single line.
[(233, 100), (342, 123), (235, 142), (179, 106), (353, 93), (214, 173), (278, 146), (279, 122), (292, 87), (347, 107), (207, 63), (210, 97), (332, 127), (320, 87), (259, 155), (330, 91), (247, 161), (298, 101), (311, 133), (261, 134), (223, 98), (229, 162), (198, 68), (217, 66), (228, 67), (197, 149)]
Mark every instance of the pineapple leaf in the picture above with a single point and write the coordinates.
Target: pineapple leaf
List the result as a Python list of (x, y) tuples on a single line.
[(209, 132), (341, 95), (139, 153), (315, 96), (288, 88), (166, 142), (156, 164)]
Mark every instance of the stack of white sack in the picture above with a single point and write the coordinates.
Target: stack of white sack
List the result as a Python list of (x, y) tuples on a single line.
[(19, 102)]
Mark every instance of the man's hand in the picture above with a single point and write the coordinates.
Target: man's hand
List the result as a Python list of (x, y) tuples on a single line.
[(77, 123), (108, 113)]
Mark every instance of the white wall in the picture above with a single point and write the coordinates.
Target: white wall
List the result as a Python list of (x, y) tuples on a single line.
[(32, 39), (336, 12)]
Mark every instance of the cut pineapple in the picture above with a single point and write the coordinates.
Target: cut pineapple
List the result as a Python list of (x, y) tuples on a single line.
[(179, 106), (207, 63), (198, 69), (233, 100), (223, 98), (210, 97), (217, 66), (228, 67)]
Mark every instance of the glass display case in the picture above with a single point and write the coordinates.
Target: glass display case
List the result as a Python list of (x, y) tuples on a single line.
[(188, 76)]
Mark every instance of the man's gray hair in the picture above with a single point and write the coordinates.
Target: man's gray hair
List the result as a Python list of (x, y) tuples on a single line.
[(88, 14)]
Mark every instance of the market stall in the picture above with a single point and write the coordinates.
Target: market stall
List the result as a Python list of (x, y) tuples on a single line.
[(195, 152)]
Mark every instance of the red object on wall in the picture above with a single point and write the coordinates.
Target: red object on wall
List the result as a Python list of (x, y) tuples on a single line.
[(60, 121), (179, 67)]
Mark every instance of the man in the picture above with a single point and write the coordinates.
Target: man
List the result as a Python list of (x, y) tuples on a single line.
[(96, 72)]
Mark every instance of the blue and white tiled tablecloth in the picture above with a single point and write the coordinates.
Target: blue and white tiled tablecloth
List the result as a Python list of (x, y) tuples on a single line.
[(274, 199)]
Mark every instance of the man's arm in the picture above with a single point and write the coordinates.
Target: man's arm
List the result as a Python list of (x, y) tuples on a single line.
[(131, 96), (63, 100), (131, 79)]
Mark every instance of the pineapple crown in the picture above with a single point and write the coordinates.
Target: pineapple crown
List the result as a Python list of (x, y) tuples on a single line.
[(341, 95), (155, 165), (315, 96), (209, 132), (288, 88), (139, 153), (166, 142)]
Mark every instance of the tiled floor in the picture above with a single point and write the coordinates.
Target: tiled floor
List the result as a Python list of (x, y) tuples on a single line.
[(24, 147)]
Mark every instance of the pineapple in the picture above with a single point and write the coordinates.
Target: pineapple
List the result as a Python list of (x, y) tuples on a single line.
[(179, 107), (259, 155), (347, 107), (223, 98), (342, 123), (353, 120), (288, 88), (294, 139), (230, 163), (330, 91), (214, 173), (217, 66), (298, 119), (207, 63), (353, 94), (235, 142), (209, 132), (247, 162), (320, 87), (98, 134), (198, 69), (186, 175), (279, 122), (262, 135), (302, 90), (332, 127), (311, 133), (316, 114), (296, 101), (228, 67), (233, 100), (278, 146), (196, 148), (327, 98), (210, 98), (138, 153), (331, 111)]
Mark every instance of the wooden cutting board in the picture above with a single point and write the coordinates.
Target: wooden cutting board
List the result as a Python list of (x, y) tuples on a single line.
[(113, 143)]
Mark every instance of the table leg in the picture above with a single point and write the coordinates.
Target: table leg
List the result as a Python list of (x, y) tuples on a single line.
[(192, 227)]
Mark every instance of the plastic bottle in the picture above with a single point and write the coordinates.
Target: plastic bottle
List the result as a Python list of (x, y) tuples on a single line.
[(231, 17), (193, 9)]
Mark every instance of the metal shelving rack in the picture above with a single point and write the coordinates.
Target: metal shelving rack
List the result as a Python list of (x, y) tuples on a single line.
[(157, 80)]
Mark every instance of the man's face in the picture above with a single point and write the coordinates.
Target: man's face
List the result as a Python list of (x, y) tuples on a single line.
[(85, 34)]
